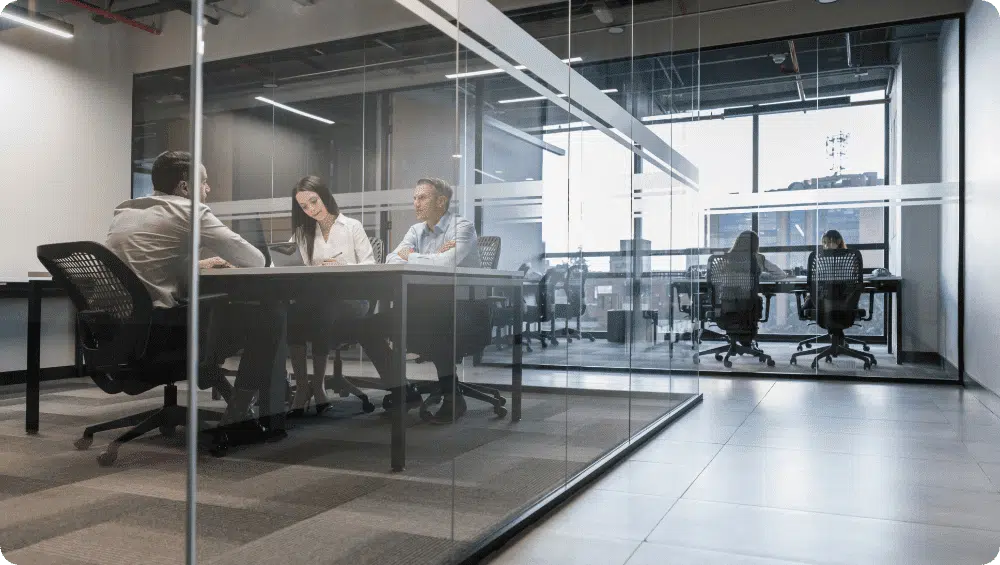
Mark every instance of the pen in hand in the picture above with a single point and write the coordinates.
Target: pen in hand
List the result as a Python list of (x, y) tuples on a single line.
[(332, 260)]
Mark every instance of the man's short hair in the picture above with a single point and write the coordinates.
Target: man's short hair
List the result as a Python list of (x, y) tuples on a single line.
[(441, 187), (169, 169)]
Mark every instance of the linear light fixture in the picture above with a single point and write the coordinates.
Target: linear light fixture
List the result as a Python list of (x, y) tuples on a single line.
[(295, 110), (486, 72), (26, 20), (535, 98)]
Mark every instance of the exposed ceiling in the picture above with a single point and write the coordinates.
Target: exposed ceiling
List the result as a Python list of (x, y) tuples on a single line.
[(329, 78)]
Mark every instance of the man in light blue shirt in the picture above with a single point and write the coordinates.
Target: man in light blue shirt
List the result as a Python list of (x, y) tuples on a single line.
[(440, 238)]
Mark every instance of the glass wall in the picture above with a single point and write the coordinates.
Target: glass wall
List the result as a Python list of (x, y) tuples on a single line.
[(455, 257)]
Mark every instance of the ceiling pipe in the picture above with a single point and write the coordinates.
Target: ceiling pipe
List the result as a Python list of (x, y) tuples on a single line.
[(798, 73), (112, 16), (161, 7)]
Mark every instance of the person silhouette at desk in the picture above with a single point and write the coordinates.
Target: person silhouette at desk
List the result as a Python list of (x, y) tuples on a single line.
[(443, 239), (749, 242), (152, 236)]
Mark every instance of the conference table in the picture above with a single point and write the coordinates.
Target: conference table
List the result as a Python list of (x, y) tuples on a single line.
[(388, 284), (888, 286)]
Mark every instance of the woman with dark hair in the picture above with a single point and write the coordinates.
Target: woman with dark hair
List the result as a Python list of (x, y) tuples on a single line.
[(325, 238), (749, 242)]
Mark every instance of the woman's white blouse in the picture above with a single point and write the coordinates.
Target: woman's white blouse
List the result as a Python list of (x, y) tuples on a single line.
[(347, 237)]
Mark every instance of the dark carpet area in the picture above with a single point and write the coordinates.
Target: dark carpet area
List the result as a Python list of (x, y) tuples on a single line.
[(323, 495)]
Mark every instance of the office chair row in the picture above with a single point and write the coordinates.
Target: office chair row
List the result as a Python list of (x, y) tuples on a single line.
[(835, 281), (115, 315)]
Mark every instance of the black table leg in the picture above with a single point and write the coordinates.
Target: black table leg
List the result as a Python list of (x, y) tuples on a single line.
[(398, 364), (887, 313), (34, 377), (670, 320), (517, 376), (899, 323)]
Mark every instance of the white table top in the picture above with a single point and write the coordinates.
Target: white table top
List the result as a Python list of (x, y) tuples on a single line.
[(354, 269)]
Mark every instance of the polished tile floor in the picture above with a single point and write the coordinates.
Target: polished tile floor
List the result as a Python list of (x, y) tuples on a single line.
[(770, 473)]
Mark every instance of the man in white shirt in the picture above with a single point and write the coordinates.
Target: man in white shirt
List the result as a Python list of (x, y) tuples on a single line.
[(152, 236), (442, 239)]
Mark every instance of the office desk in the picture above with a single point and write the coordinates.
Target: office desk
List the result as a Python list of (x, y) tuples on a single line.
[(34, 289), (387, 283), (887, 286)]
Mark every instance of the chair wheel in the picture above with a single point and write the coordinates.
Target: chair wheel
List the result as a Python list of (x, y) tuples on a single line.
[(728, 363), (809, 345), (696, 359), (107, 458), (874, 362), (500, 411), (592, 339), (84, 443), (793, 361), (799, 348), (555, 342), (829, 360), (770, 362), (718, 357), (866, 348), (501, 400), (867, 365), (168, 431), (367, 405)]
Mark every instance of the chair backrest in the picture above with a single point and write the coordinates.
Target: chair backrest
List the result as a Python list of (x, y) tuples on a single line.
[(113, 307), (489, 251), (734, 291), (576, 281), (836, 280), (378, 249)]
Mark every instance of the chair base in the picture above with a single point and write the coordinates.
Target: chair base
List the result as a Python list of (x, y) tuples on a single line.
[(482, 393), (808, 343), (838, 346), (734, 347), (167, 419), (343, 387)]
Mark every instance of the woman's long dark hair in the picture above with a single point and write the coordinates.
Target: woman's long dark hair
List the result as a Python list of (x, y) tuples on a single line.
[(303, 226), (746, 242)]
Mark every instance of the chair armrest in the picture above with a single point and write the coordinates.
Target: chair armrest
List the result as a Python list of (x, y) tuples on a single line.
[(799, 295), (767, 308), (871, 304)]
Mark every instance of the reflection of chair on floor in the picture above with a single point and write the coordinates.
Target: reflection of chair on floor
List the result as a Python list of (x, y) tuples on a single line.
[(836, 279), (736, 306), (572, 281), (122, 349)]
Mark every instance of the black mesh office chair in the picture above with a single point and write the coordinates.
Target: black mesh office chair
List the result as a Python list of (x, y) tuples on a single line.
[(537, 310), (122, 351), (489, 251), (573, 283), (836, 281), (338, 383), (736, 306)]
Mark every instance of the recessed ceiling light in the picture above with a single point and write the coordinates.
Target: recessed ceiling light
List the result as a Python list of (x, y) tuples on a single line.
[(826, 1), (534, 98), (269, 85), (295, 110), (485, 72), (616, 30)]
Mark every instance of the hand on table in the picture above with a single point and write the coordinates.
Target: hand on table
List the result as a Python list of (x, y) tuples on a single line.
[(448, 245), (404, 254), (333, 262), (214, 263)]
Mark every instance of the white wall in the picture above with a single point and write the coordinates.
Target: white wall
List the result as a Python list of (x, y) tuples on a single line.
[(65, 159), (982, 194)]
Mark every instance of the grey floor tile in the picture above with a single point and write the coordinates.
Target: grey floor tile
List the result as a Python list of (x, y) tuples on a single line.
[(757, 465), (992, 471), (681, 452), (984, 451), (554, 548), (611, 515), (811, 440), (819, 538), (658, 554), (704, 432), (642, 477)]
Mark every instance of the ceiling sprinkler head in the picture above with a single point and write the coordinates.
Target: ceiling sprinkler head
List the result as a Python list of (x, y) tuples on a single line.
[(778, 58)]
